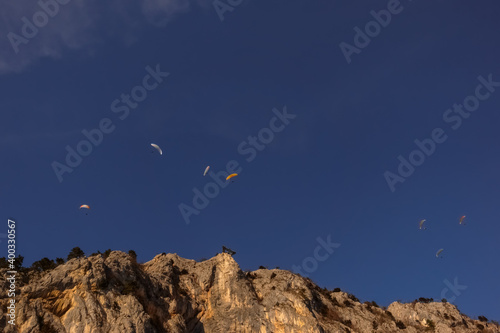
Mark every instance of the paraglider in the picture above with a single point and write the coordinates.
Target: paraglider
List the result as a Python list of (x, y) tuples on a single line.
[(206, 170), (439, 252), (231, 176), (86, 207), (421, 225), (462, 220), (157, 148), (228, 250)]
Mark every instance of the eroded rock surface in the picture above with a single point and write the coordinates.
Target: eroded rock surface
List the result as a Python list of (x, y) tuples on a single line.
[(173, 294)]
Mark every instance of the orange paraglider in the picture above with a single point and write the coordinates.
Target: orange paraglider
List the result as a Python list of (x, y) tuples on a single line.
[(86, 207), (231, 176)]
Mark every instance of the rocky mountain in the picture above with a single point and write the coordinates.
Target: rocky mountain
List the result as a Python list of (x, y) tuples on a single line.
[(114, 293)]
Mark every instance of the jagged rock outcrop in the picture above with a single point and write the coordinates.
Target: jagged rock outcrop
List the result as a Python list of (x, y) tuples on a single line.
[(173, 294)]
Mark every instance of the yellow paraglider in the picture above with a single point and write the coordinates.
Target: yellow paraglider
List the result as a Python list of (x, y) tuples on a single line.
[(421, 225), (231, 176), (206, 170)]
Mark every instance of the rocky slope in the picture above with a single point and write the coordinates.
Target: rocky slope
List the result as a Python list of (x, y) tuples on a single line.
[(172, 294)]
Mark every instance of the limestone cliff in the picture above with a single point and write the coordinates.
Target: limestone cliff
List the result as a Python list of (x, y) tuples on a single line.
[(173, 294)]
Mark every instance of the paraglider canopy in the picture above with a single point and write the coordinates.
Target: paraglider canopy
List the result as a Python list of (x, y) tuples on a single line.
[(86, 207), (439, 252), (157, 148), (231, 176), (421, 224), (206, 170), (228, 250), (462, 220)]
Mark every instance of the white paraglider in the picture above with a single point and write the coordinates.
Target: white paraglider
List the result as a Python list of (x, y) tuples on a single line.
[(157, 148)]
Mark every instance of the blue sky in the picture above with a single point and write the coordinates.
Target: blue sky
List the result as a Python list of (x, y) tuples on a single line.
[(322, 174)]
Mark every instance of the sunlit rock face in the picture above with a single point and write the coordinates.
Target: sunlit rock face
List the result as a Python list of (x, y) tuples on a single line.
[(173, 294)]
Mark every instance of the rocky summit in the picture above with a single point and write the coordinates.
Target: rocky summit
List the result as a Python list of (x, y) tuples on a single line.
[(114, 293)]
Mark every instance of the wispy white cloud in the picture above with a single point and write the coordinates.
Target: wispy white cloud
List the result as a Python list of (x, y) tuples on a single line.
[(79, 24)]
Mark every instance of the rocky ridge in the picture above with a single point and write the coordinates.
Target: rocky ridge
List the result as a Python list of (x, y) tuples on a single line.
[(115, 294)]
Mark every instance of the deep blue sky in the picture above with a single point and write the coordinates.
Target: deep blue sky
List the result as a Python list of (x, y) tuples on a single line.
[(322, 175)]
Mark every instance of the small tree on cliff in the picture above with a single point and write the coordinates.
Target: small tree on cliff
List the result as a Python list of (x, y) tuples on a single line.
[(132, 254), (44, 264), (4, 263), (76, 252)]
